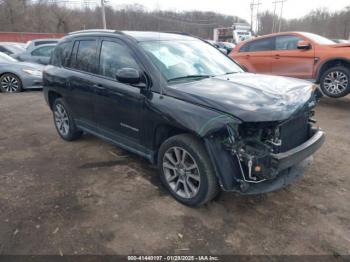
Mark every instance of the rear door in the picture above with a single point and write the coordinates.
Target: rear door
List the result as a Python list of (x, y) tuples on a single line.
[(256, 55), (290, 61), (79, 80)]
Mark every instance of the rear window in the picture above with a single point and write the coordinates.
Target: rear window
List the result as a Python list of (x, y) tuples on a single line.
[(265, 44), (85, 58)]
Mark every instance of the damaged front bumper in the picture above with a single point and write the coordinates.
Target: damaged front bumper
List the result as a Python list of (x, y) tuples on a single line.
[(278, 169), (294, 156), (284, 178)]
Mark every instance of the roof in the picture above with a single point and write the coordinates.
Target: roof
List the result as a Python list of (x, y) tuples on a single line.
[(139, 36), (150, 36)]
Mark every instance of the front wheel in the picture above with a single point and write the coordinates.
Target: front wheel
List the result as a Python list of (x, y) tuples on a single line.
[(10, 83), (64, 122), (335, 82), (186, 170)]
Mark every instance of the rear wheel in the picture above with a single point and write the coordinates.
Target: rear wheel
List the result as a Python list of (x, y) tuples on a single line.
[(64, 122), (186, 170), (10, 83), (335, 82)]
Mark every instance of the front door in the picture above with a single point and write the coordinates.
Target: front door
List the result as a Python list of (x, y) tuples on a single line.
[(118, 106), (290, 61)]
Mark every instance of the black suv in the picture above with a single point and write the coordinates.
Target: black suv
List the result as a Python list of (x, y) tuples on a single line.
[(186, 107)]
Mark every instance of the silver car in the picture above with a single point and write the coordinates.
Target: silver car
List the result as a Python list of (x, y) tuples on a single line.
[(11, 48), (33, 44), (16, 76), (40, 54)]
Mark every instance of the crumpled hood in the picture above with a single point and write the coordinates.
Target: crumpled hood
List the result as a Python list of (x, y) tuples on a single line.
[(250, 97)]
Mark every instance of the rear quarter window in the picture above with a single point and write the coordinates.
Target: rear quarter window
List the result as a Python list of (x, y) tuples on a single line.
[(62, 53)]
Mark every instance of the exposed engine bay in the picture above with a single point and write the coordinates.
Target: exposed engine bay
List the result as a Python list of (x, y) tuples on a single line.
[(253, 144)]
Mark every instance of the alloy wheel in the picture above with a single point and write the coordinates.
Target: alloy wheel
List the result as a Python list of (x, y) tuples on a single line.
[(9, 84), (181, 172), (336, 82), (61, 120)]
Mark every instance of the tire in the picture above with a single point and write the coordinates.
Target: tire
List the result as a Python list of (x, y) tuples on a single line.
[(64, 121), (10, 83), (194, 173), (335, 82)]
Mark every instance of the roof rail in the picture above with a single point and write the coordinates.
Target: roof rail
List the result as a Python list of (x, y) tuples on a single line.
[(94, 31)]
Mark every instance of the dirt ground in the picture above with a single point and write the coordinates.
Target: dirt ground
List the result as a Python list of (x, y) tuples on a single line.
[(88, 197)]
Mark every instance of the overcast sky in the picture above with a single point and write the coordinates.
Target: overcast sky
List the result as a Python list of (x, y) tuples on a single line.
[(241, 8)]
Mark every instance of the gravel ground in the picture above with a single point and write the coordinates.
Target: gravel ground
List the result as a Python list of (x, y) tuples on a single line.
[(89, 197)]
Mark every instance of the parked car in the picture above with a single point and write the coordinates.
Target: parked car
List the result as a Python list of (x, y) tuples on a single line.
[(300, 55), (185, 107), (227, 46), (221, 48), (341, 41), (31, 45), (11, 48), (40, 54), (16, 76)]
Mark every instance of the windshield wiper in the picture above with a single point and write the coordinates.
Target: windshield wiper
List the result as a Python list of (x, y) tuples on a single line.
[(230, 73), (189, 77)]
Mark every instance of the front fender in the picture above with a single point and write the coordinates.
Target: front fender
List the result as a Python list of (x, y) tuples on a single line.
[(205, 123)]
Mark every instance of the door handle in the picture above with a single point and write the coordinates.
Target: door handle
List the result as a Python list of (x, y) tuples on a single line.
[(247, 56), (99, 86), (277, 56)]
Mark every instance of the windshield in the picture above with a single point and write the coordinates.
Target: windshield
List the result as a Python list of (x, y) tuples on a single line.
[(6, 58), (319, 39), (183, 59)]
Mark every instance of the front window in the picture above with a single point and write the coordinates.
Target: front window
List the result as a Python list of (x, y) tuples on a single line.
[(43, 51), (319, 39), (183, 59), (287, 42), (115, 56)]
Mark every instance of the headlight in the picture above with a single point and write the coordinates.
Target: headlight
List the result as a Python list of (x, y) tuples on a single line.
[(33, 72)]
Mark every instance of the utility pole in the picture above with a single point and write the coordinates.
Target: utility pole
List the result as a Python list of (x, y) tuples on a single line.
[(274, 17), (103, 14), (274, 23), (257, 17), (251, 14), (252, 9), (280, 25)]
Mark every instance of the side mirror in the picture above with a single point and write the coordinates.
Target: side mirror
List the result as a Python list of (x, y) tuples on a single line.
[(128, 76), (304, 45)]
